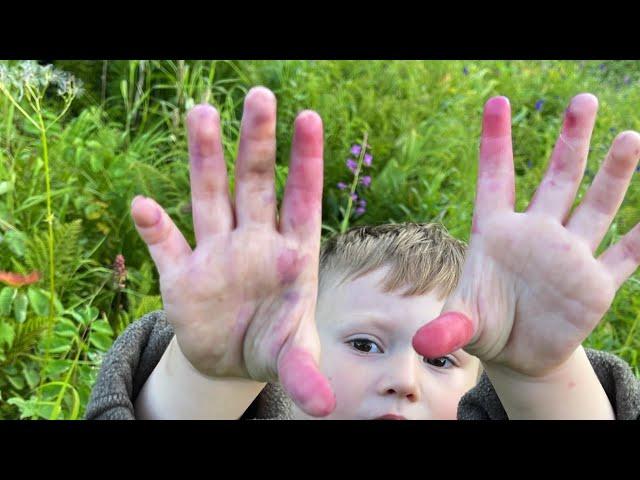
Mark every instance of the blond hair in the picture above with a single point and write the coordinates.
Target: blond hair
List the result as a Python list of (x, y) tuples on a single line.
[(422, 257)]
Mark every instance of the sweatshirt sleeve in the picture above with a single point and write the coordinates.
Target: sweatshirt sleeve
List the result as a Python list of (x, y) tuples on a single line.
[(126, 367), (618, 380)]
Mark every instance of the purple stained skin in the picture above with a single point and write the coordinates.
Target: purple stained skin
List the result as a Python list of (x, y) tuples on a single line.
[(291, 296), (289, 266)]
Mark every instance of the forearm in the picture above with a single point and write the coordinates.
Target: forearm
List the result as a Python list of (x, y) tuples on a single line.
[(573, 392), (176, 390)]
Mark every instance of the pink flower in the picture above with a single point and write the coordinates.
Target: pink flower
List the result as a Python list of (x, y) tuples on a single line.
[(366, 180)]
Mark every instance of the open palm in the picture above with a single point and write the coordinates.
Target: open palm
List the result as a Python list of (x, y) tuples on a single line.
[(242, 303), (531, 289)]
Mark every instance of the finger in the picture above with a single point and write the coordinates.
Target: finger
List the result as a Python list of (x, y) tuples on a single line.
[(449, 332), (166, 244), (557, 191), (255, 176), (594, 215), (495, 187), (301, 214), (211, 206), (623, 258), (300, 376)]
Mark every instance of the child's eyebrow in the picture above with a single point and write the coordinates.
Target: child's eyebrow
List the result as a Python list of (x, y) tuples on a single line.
[(371, 320)]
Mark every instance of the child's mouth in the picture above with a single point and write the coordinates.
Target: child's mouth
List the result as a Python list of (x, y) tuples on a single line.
[(391, 417)]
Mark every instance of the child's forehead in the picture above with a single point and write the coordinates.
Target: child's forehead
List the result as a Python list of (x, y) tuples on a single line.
[(366, 294)]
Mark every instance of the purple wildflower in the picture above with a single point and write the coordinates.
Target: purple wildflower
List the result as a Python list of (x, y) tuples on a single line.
[(612, 129), (342, 185), (539, 104), (465, 71), (354, 197), (360, 210), (366, 180), (367, 159), (352, 164), (602, 66), (638, 169), (627, 79), (362, 203), (356, 149)]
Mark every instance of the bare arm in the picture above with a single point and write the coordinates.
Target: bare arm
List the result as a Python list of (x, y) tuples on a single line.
[(572, 392), (175, 390)]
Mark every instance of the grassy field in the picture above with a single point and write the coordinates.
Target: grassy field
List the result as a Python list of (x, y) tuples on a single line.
[(73, 154)]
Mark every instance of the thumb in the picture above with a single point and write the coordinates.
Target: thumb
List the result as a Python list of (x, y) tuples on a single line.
[(165, 242), (299, 373), (452, 330)]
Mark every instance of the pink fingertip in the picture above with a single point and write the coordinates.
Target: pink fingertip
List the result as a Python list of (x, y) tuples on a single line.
[(496, 120), (308, 388), (143, 218), (447, 333)]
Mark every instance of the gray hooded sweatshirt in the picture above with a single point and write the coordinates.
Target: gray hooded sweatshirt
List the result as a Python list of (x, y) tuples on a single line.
[(137, 351)]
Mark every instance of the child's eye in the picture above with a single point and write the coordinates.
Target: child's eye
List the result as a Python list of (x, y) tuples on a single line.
[(440, 362), (364, 345)]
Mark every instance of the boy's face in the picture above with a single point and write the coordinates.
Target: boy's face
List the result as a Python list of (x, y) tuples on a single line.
[(367, 355)]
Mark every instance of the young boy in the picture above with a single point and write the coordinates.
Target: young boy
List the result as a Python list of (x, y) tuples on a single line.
[(247, 306)]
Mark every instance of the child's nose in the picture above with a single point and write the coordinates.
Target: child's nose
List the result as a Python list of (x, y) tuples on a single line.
[(402, 381)]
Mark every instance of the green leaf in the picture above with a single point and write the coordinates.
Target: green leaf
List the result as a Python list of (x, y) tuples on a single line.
[(5, 187), (31, 376), (7, 295), (32, 408), (56, 344), (102, 327), (6, 334), (20, 307), (66, 328), (39, 301), (15, 241), (123, 90), (55, 368), (95, 161), (100, 341), (79, 317), (16, 381), (91, 313)]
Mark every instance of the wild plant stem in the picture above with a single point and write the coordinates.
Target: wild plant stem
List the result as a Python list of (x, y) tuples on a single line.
[(354, 185)]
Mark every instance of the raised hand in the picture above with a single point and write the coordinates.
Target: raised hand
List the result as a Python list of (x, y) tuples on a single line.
[(531, 289), (243, 301)]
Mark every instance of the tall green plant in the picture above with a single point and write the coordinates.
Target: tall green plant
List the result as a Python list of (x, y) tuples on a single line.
[(25, 86)]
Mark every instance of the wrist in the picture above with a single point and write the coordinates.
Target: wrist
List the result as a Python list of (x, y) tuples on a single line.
[(177, 390), (570, 391)]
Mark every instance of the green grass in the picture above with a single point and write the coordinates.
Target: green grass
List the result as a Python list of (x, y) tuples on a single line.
[(126, 136)]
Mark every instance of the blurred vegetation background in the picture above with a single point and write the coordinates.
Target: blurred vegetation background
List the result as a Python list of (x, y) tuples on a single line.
[(66, 184)]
